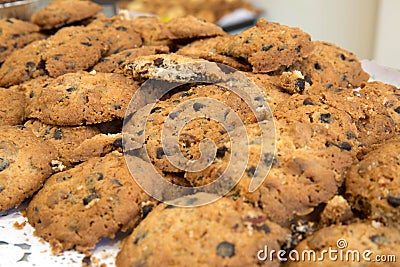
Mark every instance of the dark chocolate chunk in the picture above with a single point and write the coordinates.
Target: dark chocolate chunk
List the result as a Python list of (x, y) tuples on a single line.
[(118, 142), (301, 84), (198, 106), (3, 48), (4, 163), (58, 134), (15, 36), (251, 171), (117, 107), (71, 89), (325, 118), (30, 65), (308, 79), (121, 28), (342, 57), (393, 201), (317, 66), (397, 110), (344, 146), (225, 249), (262, 228), (159, 152), (329, 86), (158, 62), (221, 151), (308, 102), (266, 48), (89, 198), (86, 43), (298, 49), (86, 261)]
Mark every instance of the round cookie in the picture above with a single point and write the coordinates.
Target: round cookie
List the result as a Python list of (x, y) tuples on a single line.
[(304, 172), (63, 12), (12, 110), (15, 34), (353, 241), (119, 33), (223, 233), (25, 163), (373, 184), (269, 46), (94, 98), (189, 27), (113, 62), (78, 207)]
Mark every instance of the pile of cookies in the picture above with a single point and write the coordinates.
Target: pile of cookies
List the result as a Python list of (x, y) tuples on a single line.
[(67, 78)]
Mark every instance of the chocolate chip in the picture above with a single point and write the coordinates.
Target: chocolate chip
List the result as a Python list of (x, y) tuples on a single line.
[(186, 94), (351, 60), (121, 28), (98, 176), (86, 261), (262, 228), (308, 79), (117, 107), (325, 118), (58, 134), (86, 43), (397, 110), (159, 152), (146, 210), (71, 89), (15, 36), (89, 198), (329, 86), (158, 62), (393, 201), (342, 57), (350, 135), (156, 109), (317, 66), (30, 65), (4, 163), (298, 49), (379, 239), (10, 21), (31, 95), (301, 84), (138, 238), (307, 102), (64, 178), (2, 188), (173, 115), (226, 249), (344, 146), (3, 48), (250, 171), (221, 151), (281, 48), (57, 56), (266, 48), (198, 106)]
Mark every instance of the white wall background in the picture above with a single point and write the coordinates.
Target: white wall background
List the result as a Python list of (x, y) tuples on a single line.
[(369, 28)]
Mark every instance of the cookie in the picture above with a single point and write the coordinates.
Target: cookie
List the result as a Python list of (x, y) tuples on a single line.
[(78, 207), (223, 233), (269, 46), (119, 33), (209, 49), (372, 185), (74, 144), (112, 63), (69, 50), (12, 110), (15, 34), (357, 244), (25, 164), (304, 172), (195, 130), (189, 27), (59, 13), (94, 98)]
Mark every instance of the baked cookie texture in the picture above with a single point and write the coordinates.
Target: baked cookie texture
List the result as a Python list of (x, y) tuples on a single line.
[(222, 233), (59, 13), (77, 207), (25, 163), (15, 34), (372, 185), (360, 236), (81, 98), (13, 112)]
